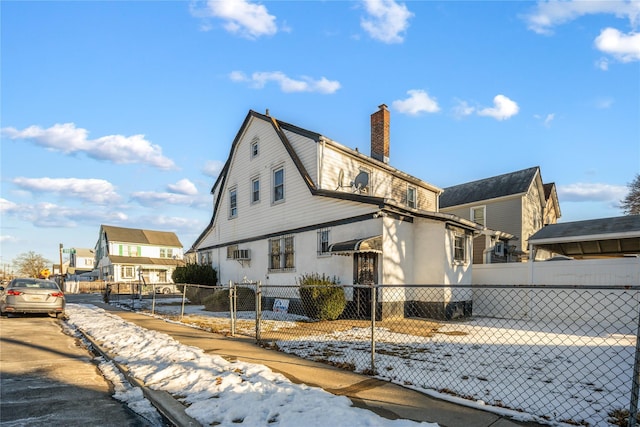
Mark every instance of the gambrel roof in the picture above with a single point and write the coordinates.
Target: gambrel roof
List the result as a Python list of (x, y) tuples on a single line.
[(495, 187), (279, 127), (139, 236)]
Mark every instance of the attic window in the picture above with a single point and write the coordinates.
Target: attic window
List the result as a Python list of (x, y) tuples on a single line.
[(255, 147), (411, 197)]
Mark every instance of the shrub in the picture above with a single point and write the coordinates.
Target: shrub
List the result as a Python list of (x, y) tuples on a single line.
[(195, 274), (219, 301), (322, 297)]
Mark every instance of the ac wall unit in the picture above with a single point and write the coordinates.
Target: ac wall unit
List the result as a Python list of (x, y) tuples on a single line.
[(242, 254)]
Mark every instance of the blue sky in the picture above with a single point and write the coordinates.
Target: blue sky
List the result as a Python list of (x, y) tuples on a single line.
[(122, 113)]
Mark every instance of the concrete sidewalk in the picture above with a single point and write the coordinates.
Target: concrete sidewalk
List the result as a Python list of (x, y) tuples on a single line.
[(386, 399)]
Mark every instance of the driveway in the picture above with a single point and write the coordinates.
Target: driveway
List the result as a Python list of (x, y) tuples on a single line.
[(47, 378)]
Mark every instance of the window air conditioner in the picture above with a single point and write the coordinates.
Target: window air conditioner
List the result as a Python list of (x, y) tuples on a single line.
[(241, 254)]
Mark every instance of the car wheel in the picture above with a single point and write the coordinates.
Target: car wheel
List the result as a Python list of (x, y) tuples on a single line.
[(60, 315), (166, 291)]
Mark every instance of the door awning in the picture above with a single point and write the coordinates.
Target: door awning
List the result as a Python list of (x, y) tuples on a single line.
[(367, 244)]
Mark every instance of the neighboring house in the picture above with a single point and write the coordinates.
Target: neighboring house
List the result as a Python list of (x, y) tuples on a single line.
[(129, 254), (81, 260), (517, 203), (289, 201)]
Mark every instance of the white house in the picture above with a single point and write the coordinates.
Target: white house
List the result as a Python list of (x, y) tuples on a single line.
[(129, 254), (290, 201)]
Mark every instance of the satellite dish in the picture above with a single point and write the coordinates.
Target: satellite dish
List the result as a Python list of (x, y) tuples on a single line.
[(361, 181), (340, 179)]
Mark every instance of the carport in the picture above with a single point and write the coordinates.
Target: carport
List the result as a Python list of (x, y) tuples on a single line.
[(596, 238)]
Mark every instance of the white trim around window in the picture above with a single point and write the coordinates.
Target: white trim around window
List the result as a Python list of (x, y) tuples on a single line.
[(233, 202), (255, 190), (479, 214), (278, 188), (412, 196)]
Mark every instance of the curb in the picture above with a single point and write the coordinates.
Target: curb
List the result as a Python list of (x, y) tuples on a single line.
[(169, 407)]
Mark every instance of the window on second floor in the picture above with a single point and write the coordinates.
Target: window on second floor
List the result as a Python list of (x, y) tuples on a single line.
[(233, 203), (478, 214), (411, 197), (255, 190), (323, 242), (278, 185)]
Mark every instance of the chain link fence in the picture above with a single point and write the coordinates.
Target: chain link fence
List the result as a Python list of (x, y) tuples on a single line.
[(561, 353)]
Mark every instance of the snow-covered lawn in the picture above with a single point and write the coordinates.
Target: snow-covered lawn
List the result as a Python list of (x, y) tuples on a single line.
[(558, 372), (216, 391)]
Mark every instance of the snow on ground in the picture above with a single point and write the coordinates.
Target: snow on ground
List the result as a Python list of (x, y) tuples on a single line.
[(216, 391), (564, 372)]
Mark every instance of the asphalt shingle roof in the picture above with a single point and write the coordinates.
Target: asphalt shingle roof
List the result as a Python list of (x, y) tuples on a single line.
[(488, 188), (145, 237)]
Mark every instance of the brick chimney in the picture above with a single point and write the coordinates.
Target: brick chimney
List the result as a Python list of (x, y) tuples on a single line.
[(380, 134)]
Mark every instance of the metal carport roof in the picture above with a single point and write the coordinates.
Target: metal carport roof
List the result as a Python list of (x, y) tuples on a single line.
[(615, 236)]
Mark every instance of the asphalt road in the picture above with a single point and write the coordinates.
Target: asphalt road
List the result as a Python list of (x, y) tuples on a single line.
[(47, 378)]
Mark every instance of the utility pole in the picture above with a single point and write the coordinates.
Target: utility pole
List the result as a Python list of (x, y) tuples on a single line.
[(61, 284)]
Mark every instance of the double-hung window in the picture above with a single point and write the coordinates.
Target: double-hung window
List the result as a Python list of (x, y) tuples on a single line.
[(411, 197), (278, 185), (479, 215), (281, 254), (323, 242), (460, 248), (255, 147), (233, 203), (255, 190)]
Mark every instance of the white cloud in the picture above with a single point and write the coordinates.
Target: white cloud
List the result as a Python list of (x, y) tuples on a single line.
[(462, 109), (212, 168), (417, 102), (603, 64), (115, 148), (623, 47), (503, 108), (386, 20), (7, 238), (184, 186), (172, 223), (549, 14), (591, 192), (52, 215), (247, 19), (546, 120), (153, 198), (604, 103), (305, 84), (93, 190)]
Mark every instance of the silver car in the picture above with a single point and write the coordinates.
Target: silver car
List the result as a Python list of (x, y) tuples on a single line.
[(26, 295)]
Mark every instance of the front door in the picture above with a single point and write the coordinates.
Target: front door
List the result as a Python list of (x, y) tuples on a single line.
[(365, 272)]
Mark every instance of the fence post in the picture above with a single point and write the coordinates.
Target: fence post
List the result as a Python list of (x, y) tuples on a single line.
[(633, 404), (258, 310), (373, 328), (184, 297), (153, 299), (232, 308)]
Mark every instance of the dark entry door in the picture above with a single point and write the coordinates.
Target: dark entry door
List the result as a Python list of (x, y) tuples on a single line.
[(365, 272)]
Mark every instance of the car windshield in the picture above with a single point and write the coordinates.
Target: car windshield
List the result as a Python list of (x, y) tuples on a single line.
[(34, 283)]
